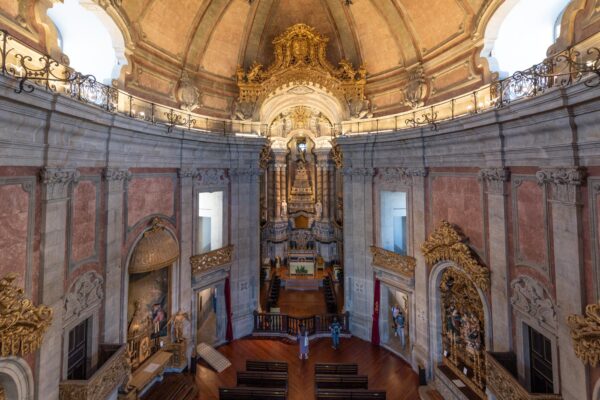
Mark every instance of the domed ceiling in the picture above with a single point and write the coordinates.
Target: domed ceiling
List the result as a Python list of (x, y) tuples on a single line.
[(397, 40)]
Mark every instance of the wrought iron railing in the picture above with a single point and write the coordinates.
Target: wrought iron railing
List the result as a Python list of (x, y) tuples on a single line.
[(287, 325), (35, 70)]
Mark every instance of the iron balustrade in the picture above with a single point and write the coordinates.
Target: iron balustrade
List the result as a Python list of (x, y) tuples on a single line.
[(283, 324), (33, 70)]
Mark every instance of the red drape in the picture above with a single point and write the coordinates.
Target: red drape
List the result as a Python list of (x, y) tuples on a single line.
[(375, 328), (229, 332)]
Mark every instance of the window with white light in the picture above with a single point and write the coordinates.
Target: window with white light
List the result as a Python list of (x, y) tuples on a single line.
[(210, 222), (520, 33), (393, 222), (90, 38)]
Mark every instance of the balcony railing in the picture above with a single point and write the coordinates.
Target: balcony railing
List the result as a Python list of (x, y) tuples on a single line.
[(112, 372), (503, 384), (35, 70), (286, 325), (394, 262), (204, 262)]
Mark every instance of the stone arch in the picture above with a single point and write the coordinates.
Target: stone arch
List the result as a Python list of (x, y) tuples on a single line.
[(596, 392), (16, 378)]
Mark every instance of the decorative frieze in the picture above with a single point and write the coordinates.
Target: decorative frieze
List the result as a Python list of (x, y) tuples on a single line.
[(401, 175), (187, 173), (533, 299), (494, 179), (394, 262), (57, 181), (585, 332), (212, 259), (22, 325), (446, 243), (563, 181), (85, 294), (212, 177)]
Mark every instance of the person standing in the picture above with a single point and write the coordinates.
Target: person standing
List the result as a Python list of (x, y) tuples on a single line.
[(400, 321), (303, 342), (395, 311), (336, 329)]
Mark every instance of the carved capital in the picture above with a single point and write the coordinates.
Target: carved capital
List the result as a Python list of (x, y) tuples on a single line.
[(494, 179), (564, 182), (116, 174), (86, 293), (183, 173), (57, 181), (531, 298)]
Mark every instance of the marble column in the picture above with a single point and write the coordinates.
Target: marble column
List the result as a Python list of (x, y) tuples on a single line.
[(326, 192), (55, 203), (283, 188), (319, 194), (332, 192), (186, 223), (421, 341), (114, 313), (278, 191), (565, 199), (271, 192), (494, 180)]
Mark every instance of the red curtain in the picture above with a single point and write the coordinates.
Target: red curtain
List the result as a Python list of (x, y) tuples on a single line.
[(229, 332), (375, 328)]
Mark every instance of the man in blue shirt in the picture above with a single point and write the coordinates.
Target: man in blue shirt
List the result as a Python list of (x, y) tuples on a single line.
[(336, 329)]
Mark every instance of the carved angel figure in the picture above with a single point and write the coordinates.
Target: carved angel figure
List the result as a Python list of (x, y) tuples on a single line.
[(177, 321)]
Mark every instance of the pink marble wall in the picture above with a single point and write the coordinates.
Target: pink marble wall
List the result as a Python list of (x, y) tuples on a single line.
[(83, 239), (532, 245), (458, 200), (149, 195), (14, 216)]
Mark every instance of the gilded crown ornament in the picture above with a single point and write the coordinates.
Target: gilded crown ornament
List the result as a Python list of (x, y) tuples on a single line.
[(585, 332), (22, 324), (446, 243)]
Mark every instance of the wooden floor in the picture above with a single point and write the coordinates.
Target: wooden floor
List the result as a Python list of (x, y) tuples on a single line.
[(385, 370)]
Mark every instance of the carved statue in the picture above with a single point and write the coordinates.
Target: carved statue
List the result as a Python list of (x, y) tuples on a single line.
[(177, 321)]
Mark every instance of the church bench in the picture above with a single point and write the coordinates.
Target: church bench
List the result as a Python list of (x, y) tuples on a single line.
[(262, 379), (329, 381), (272, 366), (324, 394), (251, 393), (336, 368)]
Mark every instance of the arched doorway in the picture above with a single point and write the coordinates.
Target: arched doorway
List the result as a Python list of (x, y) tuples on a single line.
[(16, 379)]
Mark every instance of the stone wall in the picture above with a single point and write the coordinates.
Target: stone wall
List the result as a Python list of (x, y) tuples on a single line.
[(521, 184), (78, 186)]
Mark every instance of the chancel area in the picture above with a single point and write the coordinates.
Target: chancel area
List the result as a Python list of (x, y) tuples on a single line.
[(298, 199)]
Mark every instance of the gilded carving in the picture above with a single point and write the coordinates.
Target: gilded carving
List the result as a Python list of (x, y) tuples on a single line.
[(22, 325), (531, 298), (265, 155), (404, 265), (157, 249), (300, 59), (84, 294), (216, 258), (337, 156), (446, 243), (585, 332), (505, 386)]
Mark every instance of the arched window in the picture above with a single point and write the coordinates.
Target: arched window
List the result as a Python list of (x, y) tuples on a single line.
[(90, 38), (520, 32)]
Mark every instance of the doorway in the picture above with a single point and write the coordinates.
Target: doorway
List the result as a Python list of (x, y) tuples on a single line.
[(210, 315), (78, 354), (540, 362)]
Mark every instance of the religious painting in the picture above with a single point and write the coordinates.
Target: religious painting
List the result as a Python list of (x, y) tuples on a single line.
[(463, 331), (151, 290)]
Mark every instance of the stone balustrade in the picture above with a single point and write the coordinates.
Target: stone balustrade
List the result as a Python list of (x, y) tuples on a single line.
[(111, 373)]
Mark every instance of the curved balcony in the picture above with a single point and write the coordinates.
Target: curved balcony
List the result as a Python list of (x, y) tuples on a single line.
[(32, 70)]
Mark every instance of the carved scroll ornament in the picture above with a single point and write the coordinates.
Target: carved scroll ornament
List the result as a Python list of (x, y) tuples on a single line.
[(531, 298), (22, 325), (445, 243), (585, 332), (85, 293), (404, 265), (216, 258)]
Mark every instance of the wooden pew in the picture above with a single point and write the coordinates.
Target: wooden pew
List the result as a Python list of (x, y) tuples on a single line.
[(250, 393), (336, 368), (262, 379), (329, 381), (326, 394), (270, 366)]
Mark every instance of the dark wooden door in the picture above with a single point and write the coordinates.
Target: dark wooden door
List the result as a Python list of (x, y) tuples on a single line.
[(77, 356), (540, 362)]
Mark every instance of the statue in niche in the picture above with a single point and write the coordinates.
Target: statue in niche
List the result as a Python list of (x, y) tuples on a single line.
[(284, 208), (177, 321), (318, 210)]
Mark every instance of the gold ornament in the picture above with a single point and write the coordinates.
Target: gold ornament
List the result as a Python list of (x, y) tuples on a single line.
[(300, 57), (156, 250), (22, 325), (585, 332), (337, 156), (216, 258), (404, 265), (445, 243), (265, 155)]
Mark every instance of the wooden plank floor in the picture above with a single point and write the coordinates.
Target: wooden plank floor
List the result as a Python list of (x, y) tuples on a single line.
[(386, 371)]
